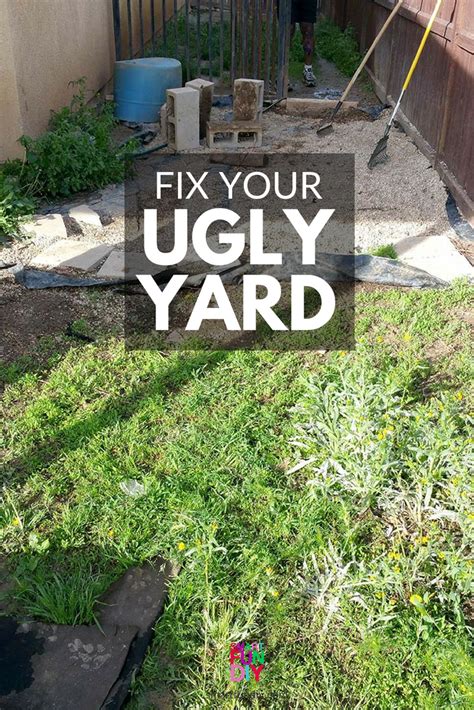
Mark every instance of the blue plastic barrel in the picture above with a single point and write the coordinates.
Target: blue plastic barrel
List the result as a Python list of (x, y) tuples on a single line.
[(140, 87)]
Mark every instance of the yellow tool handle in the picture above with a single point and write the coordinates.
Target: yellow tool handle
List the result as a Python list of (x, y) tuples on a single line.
[(422, 45)]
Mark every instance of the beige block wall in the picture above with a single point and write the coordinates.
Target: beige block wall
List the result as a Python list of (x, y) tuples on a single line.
[(45, 44)]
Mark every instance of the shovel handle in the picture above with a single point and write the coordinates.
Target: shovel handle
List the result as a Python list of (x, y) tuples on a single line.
[(370, 51), (422, 45)]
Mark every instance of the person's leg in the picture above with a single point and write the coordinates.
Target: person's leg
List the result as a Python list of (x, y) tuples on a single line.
[(306, 17), (307, 30)]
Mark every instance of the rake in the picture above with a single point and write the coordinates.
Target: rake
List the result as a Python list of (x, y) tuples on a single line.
[(327, 127), (380, 153)]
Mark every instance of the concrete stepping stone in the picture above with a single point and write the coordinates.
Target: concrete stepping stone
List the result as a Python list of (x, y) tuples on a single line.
[(436, 255), (72, 254), (50, 225), (136, 599), (121, 266), (62, 667), (59, 667), (85, 215)]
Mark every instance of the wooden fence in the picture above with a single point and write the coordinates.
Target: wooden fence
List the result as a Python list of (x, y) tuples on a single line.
[(438, 111)]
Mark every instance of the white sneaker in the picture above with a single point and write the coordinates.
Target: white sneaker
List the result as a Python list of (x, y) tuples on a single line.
[(308, 76)]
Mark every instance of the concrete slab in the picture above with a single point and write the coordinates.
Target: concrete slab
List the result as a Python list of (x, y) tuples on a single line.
[(85, 215), (117, 266), (51, 225), (72, 254), (436, 255), (59, 667), (137, 600)]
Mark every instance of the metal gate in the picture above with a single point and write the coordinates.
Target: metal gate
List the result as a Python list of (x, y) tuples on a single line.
[(217, 39)]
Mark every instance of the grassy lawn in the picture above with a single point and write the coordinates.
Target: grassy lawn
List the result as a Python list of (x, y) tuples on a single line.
[(354, 570)]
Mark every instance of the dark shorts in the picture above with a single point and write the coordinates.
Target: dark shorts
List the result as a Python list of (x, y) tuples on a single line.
[(303, 11)]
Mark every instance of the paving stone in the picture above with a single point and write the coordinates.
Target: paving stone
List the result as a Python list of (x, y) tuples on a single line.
[(117, 266), (206, 96), (51, 225), (248, 99), (85, 215), (59, 667), (183, 118), (436, 255), (71, 254), (137, 599), (111, 201)]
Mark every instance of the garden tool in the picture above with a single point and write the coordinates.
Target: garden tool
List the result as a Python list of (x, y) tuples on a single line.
[(380, 153), (327, 127)]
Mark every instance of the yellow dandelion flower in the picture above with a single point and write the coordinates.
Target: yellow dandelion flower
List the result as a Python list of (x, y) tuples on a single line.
[(394, 555), (459, 396), (441, 555), (423, 539), (268, 570), (16, 522), (181, 546), (274, 593), (381, 436), (110, 533), (416, 599), (396, 569), (406, 337)]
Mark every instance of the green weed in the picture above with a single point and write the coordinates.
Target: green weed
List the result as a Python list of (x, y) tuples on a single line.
[(386, 250), (353, 570)]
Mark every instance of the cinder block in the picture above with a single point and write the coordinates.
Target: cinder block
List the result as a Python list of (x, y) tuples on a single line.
[(164, 121), (237, 134), (206, 95), (248, 99), (183, 118)]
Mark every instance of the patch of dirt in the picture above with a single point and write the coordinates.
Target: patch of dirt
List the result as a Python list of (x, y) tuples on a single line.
[(29, 315)]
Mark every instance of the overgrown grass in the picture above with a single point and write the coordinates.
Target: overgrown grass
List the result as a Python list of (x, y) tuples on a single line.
[(354, 570)]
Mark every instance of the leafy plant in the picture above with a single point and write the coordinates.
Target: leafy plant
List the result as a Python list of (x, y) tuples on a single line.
[(15, 204), (338, 46), (76, 153)]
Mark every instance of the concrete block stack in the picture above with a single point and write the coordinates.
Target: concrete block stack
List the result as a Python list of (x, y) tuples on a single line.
[(206, 96), (246, 128)]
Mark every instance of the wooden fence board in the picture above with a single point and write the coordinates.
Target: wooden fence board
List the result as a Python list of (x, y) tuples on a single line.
[(440, 101)]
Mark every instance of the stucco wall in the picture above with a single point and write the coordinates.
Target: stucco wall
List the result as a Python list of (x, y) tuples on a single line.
[(45, 44)]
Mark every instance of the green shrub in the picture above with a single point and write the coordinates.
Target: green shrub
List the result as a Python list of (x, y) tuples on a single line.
[(76, 153), (15, 204), (338, 46)]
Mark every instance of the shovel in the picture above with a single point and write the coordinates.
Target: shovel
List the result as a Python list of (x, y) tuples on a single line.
[(380, 153), (327, 127)]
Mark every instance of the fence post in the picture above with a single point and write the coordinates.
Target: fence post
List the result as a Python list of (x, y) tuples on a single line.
[(117, 36)]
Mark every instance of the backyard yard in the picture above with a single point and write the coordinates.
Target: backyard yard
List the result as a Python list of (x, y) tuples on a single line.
[(318, 502)]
